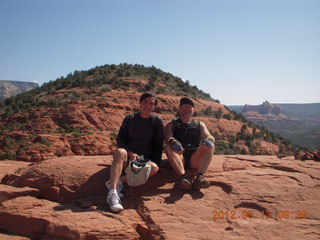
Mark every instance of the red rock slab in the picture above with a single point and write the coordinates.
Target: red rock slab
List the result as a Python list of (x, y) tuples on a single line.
[(10, 166), (64, 179), (262, 197), (44, 219), (9, 192), (69, 178), (251, 197), (5, 236)]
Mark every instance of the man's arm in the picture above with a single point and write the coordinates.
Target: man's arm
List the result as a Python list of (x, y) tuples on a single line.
[(205, 134), (168, 132), (157, 144), (170, 140), (122, 137)]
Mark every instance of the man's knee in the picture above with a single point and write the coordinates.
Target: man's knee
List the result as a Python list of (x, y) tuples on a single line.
[(170, 153), (168, 150), (154, 168), (206, 149), (119, 155)]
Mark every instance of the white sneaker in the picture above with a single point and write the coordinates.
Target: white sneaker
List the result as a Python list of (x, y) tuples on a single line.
[(119, 187), (114, 202)]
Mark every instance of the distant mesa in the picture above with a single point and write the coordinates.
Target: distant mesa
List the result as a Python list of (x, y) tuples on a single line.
[(265, 108), (12, 88)]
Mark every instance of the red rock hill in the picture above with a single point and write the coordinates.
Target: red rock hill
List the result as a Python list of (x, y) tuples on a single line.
[(81, 115)]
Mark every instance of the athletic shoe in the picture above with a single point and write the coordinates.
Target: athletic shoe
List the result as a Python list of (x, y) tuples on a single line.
[(114, 202), (200, 182), (185, 183), (119, 187)]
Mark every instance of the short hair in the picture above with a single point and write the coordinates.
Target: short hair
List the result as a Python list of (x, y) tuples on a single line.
[(146, 95)]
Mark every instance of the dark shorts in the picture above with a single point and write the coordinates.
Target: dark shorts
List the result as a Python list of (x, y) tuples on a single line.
[(187, 156)]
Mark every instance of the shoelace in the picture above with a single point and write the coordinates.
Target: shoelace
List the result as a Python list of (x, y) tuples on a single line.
[(113, 199)]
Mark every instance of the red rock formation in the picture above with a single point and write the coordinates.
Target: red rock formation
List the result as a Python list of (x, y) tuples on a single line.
[(250, 197), (307, 156), (89, 127)]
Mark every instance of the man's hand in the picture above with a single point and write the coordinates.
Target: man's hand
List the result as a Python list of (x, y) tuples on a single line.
[(133, 156), (176, 145), (209, 142)]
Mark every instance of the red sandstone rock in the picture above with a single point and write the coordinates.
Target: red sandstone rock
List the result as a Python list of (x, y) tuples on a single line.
[(6, 236), (298, 155), (89, 127), (307, 156), (9, 192), (316, 155), (9, 166), (64, 179), (244, 190), (41, 218), (248, 185)]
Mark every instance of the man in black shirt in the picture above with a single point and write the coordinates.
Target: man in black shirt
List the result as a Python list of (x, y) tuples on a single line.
[(189, 145), (141, 133)]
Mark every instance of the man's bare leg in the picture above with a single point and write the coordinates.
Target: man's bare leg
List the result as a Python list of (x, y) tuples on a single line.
[(175, 160), (200, 160), (154, 168), (119, 162), (177, 163)]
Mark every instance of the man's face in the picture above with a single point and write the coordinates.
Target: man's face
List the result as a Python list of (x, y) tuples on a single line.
[(147, 105), (186, 110)]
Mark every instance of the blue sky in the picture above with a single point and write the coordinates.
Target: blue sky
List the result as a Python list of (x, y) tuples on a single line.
[(239, 51)]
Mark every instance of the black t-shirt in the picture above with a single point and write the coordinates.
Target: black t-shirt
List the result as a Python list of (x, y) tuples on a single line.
[(143, 136)]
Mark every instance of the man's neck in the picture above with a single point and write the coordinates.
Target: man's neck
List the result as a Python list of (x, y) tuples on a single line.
[(144, 115), (186, 119)]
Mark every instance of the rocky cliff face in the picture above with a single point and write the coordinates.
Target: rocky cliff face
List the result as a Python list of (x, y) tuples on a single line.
[(251, 197), (12, 88)]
